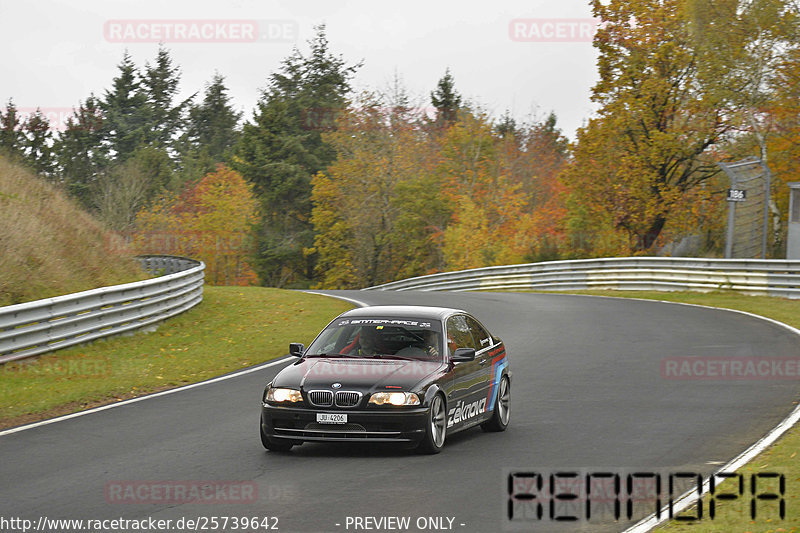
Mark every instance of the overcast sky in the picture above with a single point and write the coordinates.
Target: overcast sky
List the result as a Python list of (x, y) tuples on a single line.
[(56, 53)]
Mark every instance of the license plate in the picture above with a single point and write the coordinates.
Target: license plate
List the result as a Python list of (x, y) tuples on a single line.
[(332, 418)]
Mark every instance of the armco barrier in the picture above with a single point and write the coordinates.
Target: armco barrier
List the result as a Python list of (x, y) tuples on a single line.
[(750, 276), (42, 326)]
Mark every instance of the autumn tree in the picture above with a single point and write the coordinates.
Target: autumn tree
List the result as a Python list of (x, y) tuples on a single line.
[(533, 154), (744, 47), (403, 200), (212, 220), (740, 45), (377, 208), (490, 220), (648, 145), (123, 188), (784, 143)]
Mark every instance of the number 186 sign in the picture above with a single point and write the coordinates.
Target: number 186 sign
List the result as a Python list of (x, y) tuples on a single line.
[(737, 195)]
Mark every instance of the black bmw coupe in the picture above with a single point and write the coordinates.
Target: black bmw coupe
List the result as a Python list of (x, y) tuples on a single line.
[(390, 374)]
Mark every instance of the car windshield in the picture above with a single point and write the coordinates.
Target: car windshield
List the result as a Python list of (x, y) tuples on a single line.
[(389, 338)]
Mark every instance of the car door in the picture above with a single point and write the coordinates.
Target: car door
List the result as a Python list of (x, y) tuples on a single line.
[(485, 345), (465, 382), (491, 358)]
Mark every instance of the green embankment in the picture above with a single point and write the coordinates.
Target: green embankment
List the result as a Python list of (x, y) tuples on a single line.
[(49, 246)]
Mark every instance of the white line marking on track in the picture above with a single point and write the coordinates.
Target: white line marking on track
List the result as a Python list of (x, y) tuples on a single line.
[(690, 497), (170, 391), (351, 300), (147, 397)]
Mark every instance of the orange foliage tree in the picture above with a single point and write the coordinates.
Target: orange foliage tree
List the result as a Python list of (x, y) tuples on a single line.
[(403, 199), (533, 156), (784, 143), (648, 147), (493, 188), (376, 210), (212, 220)]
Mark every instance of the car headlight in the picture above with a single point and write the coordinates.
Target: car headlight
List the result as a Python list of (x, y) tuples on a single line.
[(280, 395), (394, 398)]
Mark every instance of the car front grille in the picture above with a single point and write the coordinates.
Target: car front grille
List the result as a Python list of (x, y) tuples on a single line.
[(347, 398), (323, 398)]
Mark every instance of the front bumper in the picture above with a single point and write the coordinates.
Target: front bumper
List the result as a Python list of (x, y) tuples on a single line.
[(300, 424)]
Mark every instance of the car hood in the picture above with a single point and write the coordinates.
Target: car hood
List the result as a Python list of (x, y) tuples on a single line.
[(364, 375)]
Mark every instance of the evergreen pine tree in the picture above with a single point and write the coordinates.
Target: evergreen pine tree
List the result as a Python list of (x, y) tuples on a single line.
[(507, 126), (281, 148), (212, 130), (446, 100), (11, 138), (37, 143), (125, 115), (159, 87), (79, 151)]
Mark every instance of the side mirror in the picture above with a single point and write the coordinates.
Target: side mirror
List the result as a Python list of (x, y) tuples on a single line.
[(463, 355), (296, 349)]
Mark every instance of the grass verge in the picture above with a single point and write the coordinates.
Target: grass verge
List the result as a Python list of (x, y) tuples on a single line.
[(234, 327), (782, 457)]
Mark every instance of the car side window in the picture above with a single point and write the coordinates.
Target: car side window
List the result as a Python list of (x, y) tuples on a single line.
[(482, 337), (458, 334)]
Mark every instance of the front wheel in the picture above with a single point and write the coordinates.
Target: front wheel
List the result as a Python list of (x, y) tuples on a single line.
[(273, 445), (436, 427), (502, 408)]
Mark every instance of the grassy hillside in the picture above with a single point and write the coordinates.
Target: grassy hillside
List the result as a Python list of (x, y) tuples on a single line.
[(49, 246)]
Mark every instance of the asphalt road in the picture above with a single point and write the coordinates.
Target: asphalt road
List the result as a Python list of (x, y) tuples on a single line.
[(588, 393)]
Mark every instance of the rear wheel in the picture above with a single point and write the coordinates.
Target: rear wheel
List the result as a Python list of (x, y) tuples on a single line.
[(273, 445), (502, 408), (436, 427)]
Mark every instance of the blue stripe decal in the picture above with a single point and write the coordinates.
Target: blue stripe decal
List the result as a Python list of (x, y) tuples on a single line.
[(498, 374)]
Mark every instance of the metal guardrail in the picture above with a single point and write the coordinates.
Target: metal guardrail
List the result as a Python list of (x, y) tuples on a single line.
[(749, 276), (34, 328)]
